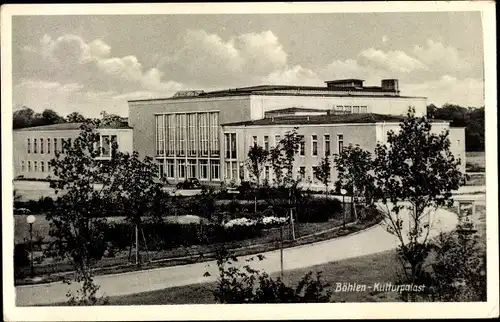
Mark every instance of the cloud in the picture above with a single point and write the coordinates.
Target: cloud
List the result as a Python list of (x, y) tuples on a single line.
[(210, 59), (396, 60), (449, 89), (440, 57), (296, 75), (385, 38)]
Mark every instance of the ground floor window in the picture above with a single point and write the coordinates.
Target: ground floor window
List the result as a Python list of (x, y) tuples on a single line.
[(161, 169), (215, 169), (42, 166), (22, 166), (204, 169), (191, 169), (182, 168), (170, 169)]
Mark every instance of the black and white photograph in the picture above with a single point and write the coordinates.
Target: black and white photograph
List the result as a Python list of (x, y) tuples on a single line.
[(171, 161)]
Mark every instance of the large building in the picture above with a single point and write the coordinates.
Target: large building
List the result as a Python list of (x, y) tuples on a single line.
[(35, 146), (207, 134)]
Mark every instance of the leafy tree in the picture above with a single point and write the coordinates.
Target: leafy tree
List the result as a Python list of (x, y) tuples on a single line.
[(353, 166), (135, 187), (323, 172), (257, 157), (22, 118), (78, 217), (51, 117), (289, 145), (275, 159), (415, 172), (75, 117)]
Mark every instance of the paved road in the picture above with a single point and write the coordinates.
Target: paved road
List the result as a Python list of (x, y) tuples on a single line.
[(370, 241)]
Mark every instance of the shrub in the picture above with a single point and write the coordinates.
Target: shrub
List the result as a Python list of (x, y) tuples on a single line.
[(246, 285), (318, 209), (21, 260)]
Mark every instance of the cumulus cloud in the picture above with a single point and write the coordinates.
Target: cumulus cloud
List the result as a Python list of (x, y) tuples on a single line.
[(210, 59), (449, 89), (396, 60), (440, 57), (296, 75)]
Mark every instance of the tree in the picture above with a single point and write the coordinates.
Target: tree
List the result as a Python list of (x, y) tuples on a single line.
[(75, 117), (257, 157), (323, 172), (289, 145), (22, 118), (51, 117), (415, 172), (275, 159), (353, 166), (134, 187), (78, 217)]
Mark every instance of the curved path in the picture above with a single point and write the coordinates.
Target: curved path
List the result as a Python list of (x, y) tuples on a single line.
[(370, 241)]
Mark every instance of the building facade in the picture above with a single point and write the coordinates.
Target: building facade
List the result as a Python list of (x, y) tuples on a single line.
[(34, 147), (207, 134)]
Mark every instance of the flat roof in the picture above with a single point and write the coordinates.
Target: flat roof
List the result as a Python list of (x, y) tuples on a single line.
[(70, 126), (366, 118)]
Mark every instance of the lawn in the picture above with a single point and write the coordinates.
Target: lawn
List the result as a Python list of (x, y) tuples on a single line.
[(475, 162), (376, 268)]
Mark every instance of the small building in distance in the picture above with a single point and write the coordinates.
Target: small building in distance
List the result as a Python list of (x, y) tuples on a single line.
[(207, 134), (34, 147)]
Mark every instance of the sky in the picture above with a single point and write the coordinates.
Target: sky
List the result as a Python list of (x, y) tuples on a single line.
[(95, 63)]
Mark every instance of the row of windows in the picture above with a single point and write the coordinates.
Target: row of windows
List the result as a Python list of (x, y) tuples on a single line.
[(351, 109), (202, 169), (301, 174), (35, 166), (192, 134), (45, 145), (302, 144), (48, 146)]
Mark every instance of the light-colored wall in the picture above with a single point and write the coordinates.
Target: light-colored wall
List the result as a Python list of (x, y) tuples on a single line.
[(362, 134), (141, 115), (20, 147), (391, 105), (457, 147)]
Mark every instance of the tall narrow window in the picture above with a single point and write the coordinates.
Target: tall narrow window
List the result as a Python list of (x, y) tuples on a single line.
[(364, 109), (48, 167), (302, 145), (191, 169), (192, 134), (170, 169), (227, 169), (181, 134), (314, 145), (35, 166), (267, 173), (41, 145), (314, 171), (48, 146), (204, 169), (161, 168), (214, 134), (340, 139), (234, 170), (181, 168), (233, 145), (29, 166), (22, 166), (254, 141), (266, 142), (277, 139), (348, 109), (171, 134), (215, 169), (55, 145), (355, 109), (106, 146), (34, 146), (203, 120), (29, 146), (327, 145), (42, 166), (227, 145), (160, 134)]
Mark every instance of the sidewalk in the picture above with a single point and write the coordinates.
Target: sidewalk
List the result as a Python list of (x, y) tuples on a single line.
[(370, 241)]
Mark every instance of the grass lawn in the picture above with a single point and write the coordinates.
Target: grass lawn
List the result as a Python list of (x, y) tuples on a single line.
[(376, 268), (475, 162)]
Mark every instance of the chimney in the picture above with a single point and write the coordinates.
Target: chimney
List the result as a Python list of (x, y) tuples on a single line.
[(390, 85)]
